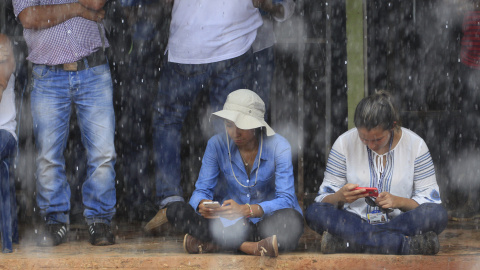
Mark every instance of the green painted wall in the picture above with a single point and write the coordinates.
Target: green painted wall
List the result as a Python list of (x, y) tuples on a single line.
[(355, 57)]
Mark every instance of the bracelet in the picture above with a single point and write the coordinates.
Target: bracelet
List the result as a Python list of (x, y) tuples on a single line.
[(251, 211)]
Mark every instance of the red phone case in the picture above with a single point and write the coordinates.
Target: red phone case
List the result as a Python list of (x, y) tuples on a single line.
[(372, 191)]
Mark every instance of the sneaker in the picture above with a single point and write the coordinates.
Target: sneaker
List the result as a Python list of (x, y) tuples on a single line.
[(424, 244), (53, 235), (267, 247), (101, 234), (192, 245), (158, 220), (331, 244)]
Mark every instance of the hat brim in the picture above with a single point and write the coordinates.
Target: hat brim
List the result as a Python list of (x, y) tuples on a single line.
[(243, 121)]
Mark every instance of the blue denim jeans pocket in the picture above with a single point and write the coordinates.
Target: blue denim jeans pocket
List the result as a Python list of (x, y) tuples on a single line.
[(40, 71), (101, 69)]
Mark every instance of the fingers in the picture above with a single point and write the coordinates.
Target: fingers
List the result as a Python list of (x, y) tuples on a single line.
[(228, 202), (350, 187), (93, 15), (385, 200)]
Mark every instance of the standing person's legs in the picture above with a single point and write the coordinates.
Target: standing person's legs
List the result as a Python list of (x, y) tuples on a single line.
[(228, 76), (134, 131), (463, 170), (7, 145), (93, 99), (179, 86), (263, 71), (51, 108)]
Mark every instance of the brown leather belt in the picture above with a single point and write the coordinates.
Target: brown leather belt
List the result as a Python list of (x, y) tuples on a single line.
[(95, 59)]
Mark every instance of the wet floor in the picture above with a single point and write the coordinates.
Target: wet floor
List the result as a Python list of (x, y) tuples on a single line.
[(460, 249)]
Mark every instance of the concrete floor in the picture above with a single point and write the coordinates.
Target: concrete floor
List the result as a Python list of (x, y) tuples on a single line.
[(460, 249)]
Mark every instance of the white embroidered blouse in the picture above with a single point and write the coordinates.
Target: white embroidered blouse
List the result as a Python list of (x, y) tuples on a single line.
[(409, 171)]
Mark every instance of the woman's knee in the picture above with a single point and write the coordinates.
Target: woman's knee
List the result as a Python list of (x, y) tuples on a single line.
[(176, 210), (436, 213), (289, 228), (316, 211)]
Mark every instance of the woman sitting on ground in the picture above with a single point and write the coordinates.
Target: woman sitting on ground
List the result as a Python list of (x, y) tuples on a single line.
[(252, 174), (407, 216)]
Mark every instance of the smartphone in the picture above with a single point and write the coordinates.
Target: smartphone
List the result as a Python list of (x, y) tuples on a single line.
[(211, 204), (372, 191)]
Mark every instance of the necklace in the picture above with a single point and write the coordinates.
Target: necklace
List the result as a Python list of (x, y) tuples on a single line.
[(258, 165), (244, 162)]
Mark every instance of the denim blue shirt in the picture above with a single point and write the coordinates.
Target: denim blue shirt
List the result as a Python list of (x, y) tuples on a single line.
[(275, 188)]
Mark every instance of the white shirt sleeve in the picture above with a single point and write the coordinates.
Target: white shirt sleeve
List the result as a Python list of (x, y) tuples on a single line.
[(425, 187), (335, 173)]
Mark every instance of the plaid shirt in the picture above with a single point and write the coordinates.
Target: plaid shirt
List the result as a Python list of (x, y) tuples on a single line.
[(66, 42), (470, 50)]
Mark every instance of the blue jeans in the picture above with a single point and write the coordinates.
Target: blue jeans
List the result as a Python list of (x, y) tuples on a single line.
[(179, 86), (8, 210), (91, 92), (264, 67), (387, 238)]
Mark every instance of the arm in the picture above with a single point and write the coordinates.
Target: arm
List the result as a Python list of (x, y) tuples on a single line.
[(345, 195), (231, 209), (46, 16), (425, 187), (7, 63), (387, 200), (93, 4), (288, 10), (207, 178), (284, 185), (276, 10)]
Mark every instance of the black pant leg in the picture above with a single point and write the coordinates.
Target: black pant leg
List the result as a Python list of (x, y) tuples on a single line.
[(286, 224)]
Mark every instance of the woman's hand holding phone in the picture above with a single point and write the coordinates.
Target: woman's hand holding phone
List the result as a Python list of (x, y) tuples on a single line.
[(232, 210), (208, 209)]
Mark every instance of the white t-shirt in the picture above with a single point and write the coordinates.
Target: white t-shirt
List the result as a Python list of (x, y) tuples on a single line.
[(7, 108), (208, 31), (409, 171)]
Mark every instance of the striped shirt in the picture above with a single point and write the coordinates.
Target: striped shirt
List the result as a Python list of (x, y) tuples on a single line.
[(470, 46), (409, 171), (66, 42)]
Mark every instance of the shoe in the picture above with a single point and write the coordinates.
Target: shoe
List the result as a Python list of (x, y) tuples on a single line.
[(101, 234), (53, 235), (267, 247), (158, 220), (331, 244), (424, 244), (192, 245)]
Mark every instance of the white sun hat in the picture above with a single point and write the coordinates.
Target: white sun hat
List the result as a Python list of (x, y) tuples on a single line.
[(246, 109)]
